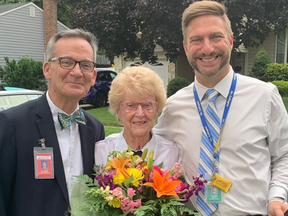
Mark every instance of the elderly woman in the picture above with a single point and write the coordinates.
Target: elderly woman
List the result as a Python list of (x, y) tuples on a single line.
[(137, 95)]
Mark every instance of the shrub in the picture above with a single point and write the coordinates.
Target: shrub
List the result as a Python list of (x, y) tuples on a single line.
[(261, 62), (26, 73), (176, 84), (276, 71), (282, 87)]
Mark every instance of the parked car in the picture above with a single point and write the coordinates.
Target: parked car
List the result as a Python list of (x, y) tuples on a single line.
[(98, 93), (13, 98)]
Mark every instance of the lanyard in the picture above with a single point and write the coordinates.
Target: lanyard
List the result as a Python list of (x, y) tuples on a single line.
[(225, 113)]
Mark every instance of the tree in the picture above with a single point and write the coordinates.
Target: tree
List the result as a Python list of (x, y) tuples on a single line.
[(252, 21), (117, 23), (26, 73), (176, 84), (262, 60)]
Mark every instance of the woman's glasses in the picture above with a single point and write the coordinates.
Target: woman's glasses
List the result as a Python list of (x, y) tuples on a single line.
[(132, 106)]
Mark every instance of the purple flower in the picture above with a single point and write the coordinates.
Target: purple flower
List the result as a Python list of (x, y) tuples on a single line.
[(106, 179)]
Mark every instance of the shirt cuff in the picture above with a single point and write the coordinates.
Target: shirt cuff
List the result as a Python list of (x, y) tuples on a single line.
[(277, 191)]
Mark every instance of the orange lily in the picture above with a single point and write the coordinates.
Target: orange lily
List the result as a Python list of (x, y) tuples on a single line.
[(118, 164), (161, 184)]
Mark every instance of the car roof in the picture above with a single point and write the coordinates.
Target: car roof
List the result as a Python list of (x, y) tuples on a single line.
[(105, 69), (21, 92)]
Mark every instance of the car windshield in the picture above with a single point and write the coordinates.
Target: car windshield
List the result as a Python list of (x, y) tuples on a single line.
[(7, 101)]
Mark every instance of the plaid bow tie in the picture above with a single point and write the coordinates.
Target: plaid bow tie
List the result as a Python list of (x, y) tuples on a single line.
[(66, 120)]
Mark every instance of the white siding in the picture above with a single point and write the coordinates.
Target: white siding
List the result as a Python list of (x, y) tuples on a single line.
[(269, 45), (23, 35)]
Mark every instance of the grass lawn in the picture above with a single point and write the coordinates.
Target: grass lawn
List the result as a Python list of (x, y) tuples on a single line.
[(111, 124), (109, 121)]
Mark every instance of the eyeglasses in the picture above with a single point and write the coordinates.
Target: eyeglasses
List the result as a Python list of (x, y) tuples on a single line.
[(69, 63), (146, 106)]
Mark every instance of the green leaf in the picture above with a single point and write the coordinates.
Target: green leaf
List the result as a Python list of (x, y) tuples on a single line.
[(128, 181)]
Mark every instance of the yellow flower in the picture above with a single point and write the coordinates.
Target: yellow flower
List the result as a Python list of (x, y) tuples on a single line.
[(137, 175), (118, 179), (116, 203)]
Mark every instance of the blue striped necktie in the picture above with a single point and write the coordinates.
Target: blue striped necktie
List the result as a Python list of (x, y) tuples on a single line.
[(206, 152)]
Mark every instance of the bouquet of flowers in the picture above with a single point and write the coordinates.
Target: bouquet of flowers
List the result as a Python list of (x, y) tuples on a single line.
[(128, 185)]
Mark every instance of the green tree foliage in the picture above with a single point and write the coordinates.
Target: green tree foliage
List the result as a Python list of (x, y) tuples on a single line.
[(252, 21), (276, 71), (26, 73), (11, 1), (176, 84), (262, 60), (282, 87), (116, 23)]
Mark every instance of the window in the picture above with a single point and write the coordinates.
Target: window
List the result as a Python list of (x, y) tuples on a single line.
[(32, 11), (282, 48)]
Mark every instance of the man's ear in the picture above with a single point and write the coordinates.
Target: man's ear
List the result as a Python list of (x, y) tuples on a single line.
[(46, 70), (231, 41), (185, 48), (94, 77)]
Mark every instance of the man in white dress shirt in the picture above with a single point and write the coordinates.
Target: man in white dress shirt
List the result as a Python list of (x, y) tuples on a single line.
[(253, 148)]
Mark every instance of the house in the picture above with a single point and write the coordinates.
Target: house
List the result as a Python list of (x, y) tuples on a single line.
[(22, 32), (164, 68)]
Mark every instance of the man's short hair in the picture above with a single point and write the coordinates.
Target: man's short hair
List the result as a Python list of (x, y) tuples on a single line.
[(201, 8), (71, 33)]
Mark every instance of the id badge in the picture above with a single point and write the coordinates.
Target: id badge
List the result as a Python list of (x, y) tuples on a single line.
[(213, 194), (43, 163)]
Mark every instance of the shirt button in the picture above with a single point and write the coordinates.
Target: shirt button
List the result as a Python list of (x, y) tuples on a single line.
[(66, 213)]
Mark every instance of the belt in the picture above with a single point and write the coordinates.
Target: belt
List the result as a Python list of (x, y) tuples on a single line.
[(257, 215)]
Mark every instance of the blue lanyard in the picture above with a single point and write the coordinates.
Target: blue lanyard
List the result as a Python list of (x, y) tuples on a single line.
[(225, 113)]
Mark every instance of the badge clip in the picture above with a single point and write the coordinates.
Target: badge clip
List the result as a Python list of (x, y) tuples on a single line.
[(42, 143)]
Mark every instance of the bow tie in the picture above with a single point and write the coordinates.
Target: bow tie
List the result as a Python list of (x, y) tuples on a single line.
[(139, 153), (66, 120)]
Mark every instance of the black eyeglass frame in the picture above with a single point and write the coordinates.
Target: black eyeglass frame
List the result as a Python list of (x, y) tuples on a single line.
[(75, 62)]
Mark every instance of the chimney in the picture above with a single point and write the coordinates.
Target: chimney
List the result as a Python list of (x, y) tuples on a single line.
[(49, 19)]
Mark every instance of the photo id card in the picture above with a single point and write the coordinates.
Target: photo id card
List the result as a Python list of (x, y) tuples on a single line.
[(43, 163), (213, 194)]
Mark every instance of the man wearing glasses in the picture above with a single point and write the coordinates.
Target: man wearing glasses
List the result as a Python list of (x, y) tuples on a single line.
[(51, 128)]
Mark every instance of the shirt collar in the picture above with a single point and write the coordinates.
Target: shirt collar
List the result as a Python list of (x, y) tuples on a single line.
[(55, 110), (222, 87), (121, 144)]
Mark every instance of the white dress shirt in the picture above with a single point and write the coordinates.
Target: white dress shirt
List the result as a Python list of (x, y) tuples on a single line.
[(253, 147), (70, 147), (164, 150)]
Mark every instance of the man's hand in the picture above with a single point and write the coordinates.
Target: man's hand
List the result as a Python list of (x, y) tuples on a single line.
[(277, 208)]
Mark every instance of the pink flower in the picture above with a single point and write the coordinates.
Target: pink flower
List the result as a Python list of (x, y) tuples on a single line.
[(130, 192), (158, 169), (127, 206), (176, 175), (180, 187), (125, 201), (117, 192), (137, 203), (139, 160)]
